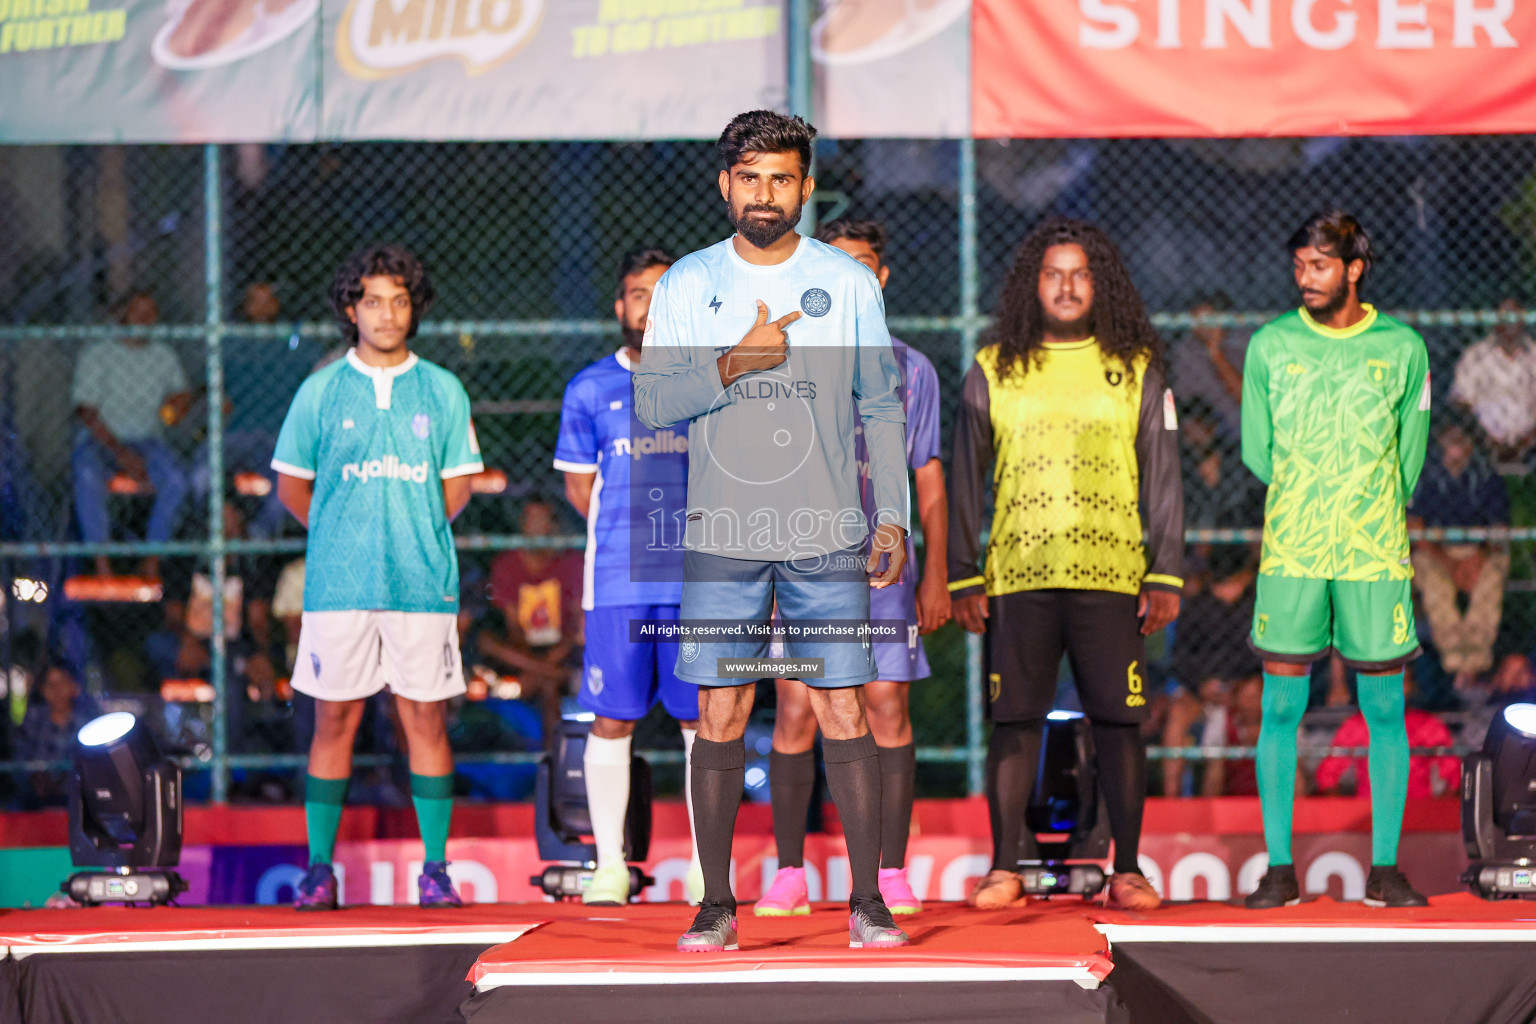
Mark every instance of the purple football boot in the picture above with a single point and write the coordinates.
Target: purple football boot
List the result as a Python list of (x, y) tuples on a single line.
[(436, 887), (316, 890)]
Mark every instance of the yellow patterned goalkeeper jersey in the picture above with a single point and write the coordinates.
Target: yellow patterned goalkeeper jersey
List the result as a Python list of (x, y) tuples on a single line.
[(1079, 445)]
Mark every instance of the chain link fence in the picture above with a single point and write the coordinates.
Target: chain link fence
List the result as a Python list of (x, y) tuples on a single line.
[(140, 281)]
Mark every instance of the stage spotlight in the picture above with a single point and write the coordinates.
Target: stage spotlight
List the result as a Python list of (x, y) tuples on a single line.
[(124, 815), (1498, 807), (1065, 804), (561, 819)]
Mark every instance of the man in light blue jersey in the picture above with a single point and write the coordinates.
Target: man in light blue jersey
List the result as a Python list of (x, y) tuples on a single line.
[(374, 458), (629, 482), (774, 513), (900, 660)]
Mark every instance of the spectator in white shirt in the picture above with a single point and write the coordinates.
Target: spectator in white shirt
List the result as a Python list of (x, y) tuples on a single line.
[(124, 390), (1496, 379)]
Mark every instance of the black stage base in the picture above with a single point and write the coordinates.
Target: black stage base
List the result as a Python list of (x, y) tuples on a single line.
[(1046, 1002), (422, 984), (1484, 982)]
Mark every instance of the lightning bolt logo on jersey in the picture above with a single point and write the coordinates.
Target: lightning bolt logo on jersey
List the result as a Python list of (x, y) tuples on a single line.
[(377, 443), (634, 550)]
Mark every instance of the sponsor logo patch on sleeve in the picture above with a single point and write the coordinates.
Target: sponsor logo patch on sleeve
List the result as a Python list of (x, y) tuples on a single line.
[(1424, 395), (1170, 413)]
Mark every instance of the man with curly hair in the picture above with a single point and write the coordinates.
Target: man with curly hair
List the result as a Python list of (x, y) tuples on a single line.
[(375, 458), (1069, 401)]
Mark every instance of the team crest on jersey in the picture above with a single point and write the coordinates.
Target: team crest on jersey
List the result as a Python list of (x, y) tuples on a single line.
[(421, 425), (816, 302), (1114, 377), (690, 650), (1378, 369)]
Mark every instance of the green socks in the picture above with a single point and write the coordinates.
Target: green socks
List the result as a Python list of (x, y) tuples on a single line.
[(1285, 701), (433, 797), (1381, 702), (323, 800)]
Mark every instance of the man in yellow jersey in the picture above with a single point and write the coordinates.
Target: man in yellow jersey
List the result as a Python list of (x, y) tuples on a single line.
[(1335, 422), (1069, 401)]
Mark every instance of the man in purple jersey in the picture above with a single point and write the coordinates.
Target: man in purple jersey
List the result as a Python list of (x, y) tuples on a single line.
[(619, 474), (920, 607)]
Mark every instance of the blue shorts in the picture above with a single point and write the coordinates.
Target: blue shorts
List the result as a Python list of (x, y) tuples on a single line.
[(904, 661), (717, 587), (622, 678)]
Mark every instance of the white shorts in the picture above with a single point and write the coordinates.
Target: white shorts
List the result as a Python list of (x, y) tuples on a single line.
[(355, 654)]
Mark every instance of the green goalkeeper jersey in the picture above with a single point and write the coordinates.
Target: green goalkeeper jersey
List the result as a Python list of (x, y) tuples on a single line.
[(1336, 422)]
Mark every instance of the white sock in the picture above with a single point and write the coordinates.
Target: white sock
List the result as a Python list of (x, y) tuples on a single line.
[(606, 763), (688, 737)]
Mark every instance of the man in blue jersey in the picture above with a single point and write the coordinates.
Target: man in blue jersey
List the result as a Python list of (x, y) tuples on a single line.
[(773, 495), (918, 610), (374, 458), (607, 456)]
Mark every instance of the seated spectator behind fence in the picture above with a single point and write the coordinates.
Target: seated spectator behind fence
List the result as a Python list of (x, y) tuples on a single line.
[(260, 375), (539, 593), (47, 733), (1206, 365), (1428, 775), (124, 390), (1210, 657), (1239, 727), (1219, 492), (1459, 488), (1496, 380)]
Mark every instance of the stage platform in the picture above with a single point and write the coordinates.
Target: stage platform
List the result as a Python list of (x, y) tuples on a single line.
[(1461, 959), (1041, 963)]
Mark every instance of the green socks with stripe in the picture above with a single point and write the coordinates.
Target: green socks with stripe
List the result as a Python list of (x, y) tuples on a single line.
[(433, 797), (1381, 702), (1285, 701), (323, 800)]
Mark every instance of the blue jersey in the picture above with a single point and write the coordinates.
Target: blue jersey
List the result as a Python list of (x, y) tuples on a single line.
[(634, 523), (773, 473), (920, 401), (378, 442)]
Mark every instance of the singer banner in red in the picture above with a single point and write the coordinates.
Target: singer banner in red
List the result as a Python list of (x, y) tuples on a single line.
[(1076, 68)]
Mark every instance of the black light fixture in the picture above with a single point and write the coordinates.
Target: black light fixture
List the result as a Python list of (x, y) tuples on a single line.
[(1066, 805), (561, 818), (1498, 807), (124, 815)]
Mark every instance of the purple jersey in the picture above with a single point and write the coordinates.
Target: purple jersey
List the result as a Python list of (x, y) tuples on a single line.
[(920, 399)]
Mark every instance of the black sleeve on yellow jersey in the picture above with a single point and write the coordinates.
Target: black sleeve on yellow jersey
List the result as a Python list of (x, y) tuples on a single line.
[(968, 468), (1162, 485)]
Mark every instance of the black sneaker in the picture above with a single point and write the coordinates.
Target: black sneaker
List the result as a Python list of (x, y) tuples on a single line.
[(1277, 888), (713, 931), (1386, 887)]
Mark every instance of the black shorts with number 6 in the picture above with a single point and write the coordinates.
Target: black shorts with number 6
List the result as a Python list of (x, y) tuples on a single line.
[(1099, 631)]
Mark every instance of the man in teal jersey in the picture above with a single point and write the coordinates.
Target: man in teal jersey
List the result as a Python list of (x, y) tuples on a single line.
[(1335, 421), (375, 458)]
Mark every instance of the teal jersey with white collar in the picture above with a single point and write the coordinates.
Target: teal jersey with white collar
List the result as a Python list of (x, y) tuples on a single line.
[(378, 442)]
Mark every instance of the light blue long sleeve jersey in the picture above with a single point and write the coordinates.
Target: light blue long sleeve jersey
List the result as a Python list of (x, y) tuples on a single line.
[(772, 472)]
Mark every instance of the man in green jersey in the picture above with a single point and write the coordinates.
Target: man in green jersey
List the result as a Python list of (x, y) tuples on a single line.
[(1335, 420)]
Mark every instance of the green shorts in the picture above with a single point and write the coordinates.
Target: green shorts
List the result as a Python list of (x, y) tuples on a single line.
[(1370, 625)]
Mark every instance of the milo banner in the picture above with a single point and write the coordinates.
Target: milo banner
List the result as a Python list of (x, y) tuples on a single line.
[(298, 70)]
